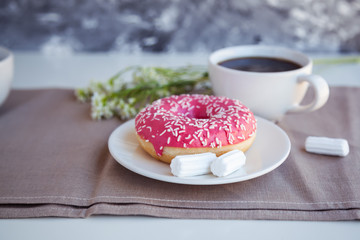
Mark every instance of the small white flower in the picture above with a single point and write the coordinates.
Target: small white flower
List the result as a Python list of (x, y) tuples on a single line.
[(131, 100), (81, 95), (99, 107), (163, 93), (96, 99)]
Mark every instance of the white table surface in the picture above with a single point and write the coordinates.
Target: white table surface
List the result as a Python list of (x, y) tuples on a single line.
[(34, 70)]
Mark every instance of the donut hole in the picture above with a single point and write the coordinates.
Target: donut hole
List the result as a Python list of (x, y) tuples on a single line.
[(201, 117), (198, 114)]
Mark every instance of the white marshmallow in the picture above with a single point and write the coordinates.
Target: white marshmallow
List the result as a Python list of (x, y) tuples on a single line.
[(192, 165), (327, 146), (228, 163)]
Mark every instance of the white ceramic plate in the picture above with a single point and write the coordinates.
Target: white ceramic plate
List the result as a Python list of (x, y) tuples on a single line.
[(269, 150)]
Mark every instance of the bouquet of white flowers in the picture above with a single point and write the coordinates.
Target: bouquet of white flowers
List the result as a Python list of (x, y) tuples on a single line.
[(133, 88)]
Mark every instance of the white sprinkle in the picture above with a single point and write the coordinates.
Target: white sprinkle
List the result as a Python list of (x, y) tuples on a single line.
[(188, 137), (162, 147), (207, 133), (179, 138), (153, 136), (231, 136), (192, 140), (162, 133), (168, 140)]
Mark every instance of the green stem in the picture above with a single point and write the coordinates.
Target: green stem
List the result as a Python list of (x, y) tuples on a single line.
[(340, 60)]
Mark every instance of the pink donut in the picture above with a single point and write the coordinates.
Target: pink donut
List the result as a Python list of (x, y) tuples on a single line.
[(190, 124)]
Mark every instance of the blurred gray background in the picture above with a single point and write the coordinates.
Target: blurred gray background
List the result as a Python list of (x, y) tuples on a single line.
[(133, 26)]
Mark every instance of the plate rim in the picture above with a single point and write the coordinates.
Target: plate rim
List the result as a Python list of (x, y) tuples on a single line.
[(190, 180)]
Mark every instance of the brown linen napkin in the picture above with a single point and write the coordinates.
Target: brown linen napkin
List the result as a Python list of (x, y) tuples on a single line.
[(54, 161)]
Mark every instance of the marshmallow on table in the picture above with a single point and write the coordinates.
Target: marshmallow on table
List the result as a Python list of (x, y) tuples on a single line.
[(327, 146), (192, 165), (228, 163)]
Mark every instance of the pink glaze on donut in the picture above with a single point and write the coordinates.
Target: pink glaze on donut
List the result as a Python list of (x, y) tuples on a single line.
[(193, 121)]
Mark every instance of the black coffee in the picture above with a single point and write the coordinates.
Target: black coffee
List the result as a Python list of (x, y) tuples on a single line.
[(260, 64)]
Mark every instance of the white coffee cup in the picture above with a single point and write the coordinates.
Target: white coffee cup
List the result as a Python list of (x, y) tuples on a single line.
[(268, 94), (6, 73)]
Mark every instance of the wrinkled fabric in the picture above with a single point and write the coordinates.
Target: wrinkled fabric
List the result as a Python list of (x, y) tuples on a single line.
[(54, 161)]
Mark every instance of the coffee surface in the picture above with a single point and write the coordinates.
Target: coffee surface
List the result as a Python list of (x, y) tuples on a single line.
[(260, 64)]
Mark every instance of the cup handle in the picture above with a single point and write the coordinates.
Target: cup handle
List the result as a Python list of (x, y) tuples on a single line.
[(321, 89)]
